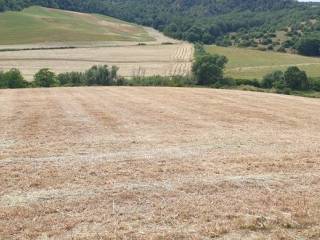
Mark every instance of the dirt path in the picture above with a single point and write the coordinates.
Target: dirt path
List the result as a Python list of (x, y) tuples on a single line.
[(158, 163), (160, 37)]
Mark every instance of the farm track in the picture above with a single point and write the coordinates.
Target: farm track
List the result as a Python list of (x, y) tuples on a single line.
[(154, 163)]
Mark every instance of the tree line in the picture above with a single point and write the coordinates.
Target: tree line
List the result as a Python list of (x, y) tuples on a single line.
[(207, 70), (95, 76)]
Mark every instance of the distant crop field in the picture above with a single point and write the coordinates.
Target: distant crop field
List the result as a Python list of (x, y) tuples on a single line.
[(44, 25), (70, 41), (86, 40), (158, 163), (249, 64), (165, 60)]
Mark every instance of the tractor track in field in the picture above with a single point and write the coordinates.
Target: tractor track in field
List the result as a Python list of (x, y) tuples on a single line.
[(148, 163)]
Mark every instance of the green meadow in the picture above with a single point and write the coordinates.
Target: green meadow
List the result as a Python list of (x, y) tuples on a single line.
[(42, 25), (248, 64)]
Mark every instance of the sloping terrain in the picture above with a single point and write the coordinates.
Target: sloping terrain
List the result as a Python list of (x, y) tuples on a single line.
[(65, 41), (158, 163), (249, 64), (43, 25), (195, 20)]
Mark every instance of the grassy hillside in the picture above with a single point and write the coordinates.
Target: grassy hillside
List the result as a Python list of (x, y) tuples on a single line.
[(244, 63), (38, 25), (243, 23)]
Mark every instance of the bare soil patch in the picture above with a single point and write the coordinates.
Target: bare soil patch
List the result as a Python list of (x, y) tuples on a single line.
[(158, 163)]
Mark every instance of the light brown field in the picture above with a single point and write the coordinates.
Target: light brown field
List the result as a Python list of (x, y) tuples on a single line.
[(136, 50), (136, 60), (158, 163), (153, 58)]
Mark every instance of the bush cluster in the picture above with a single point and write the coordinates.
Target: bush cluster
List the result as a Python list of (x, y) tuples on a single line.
[(208, 68), (293, 78), (12, 79), (207, 71), (95, 76), (309, 46), (174, 81)]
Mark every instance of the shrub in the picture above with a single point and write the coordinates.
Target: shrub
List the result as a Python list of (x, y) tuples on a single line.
[(296, 79), (308, 46), (101, 75), (225, 82), (199, 50), (315, 84), (288, 43), (12, 79), (280, 85), (71, 79), (248, 82), (175, 81), (121, 81), (274, 79), (45, 78), (208, 69), (250, 88), (287, 91)]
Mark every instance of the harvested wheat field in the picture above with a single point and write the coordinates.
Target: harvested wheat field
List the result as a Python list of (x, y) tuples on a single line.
[(65, 41), (158, 163), (166, 60)]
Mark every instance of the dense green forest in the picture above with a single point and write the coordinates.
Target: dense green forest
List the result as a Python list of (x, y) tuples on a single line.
[(281, 25)]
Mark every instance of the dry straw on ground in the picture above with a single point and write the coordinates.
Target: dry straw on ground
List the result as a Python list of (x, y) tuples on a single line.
[(133, 58), (158, 163)]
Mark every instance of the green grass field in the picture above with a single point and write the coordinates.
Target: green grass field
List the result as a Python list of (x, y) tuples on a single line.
[(249, 64), (41, 25)]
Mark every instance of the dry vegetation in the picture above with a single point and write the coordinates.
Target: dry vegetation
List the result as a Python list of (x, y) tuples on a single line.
[(91, 39), (158, 163), (154, 59)]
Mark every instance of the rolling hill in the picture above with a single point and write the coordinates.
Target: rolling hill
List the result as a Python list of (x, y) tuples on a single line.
[(249, 64), (244, 23), (227, 22), (63, 41), (42, 25)]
